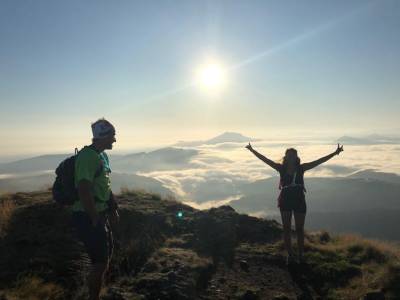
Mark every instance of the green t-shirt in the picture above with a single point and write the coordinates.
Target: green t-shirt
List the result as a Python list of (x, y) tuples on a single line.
[(95, 168)]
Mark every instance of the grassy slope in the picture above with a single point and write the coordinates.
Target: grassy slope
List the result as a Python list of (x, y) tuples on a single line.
[(214, 254)]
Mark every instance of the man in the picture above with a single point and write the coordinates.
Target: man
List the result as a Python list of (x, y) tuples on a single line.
[(95, 206)]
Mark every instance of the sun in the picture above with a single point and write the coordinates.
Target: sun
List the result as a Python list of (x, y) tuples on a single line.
[(211, 76)]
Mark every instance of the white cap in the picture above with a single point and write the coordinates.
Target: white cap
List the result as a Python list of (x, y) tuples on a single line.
[(102, 129)]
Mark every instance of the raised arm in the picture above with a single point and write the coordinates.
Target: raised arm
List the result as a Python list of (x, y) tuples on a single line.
[(313, 164), (269, 162)]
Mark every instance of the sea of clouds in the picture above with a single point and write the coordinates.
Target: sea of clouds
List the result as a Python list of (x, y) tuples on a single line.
[(217, 174), (221, 169)]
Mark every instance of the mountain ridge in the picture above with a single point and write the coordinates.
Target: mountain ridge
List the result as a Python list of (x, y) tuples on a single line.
[(164, 250)]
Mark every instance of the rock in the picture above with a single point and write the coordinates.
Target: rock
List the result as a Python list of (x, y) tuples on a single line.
[(249, 295), (324, 237), (374, 296), (281, 297), (244, 265), (165, 270), (222, 280), (113, 294), (150, 267), (172, 276), (177, 265)]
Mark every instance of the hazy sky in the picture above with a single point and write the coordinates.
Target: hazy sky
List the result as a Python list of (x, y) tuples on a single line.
[(292, 67)]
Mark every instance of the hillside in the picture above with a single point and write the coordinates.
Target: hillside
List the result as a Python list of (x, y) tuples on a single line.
[(364, 202), (212, 254)]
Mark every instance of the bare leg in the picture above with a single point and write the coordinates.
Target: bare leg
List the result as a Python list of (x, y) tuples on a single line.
[(299, 219), (96, 278), (287, 230)]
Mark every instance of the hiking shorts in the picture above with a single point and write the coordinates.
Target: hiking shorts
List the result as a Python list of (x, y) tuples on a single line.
[(98, 240), (292, 201)]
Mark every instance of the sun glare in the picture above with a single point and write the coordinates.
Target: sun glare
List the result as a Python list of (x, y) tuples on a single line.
[(211, 76)]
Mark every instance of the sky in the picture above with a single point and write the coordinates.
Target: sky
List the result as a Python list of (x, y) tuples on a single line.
[(291, 68)]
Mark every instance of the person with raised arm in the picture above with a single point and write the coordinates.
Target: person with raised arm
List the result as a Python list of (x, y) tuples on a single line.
[(291, 199)]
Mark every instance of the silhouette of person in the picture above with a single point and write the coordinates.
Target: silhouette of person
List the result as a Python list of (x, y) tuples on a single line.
[(96, 207), (291, 199)]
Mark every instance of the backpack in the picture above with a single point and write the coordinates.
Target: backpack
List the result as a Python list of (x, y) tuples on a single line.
[(293, 191), (64, 190)]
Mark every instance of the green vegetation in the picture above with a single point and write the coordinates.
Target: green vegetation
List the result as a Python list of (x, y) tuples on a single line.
[(211, 254)]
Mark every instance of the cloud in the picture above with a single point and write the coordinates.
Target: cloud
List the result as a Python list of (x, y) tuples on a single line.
[(213, 174), (214, 203), (223, 169)]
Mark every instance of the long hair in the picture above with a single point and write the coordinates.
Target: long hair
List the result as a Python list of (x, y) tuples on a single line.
[(285, 159)]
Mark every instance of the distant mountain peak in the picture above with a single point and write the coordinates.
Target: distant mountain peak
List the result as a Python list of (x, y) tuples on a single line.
[(229, 136), (226, 137)]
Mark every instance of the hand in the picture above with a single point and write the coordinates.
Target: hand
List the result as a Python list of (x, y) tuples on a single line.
[(339, 149), (249, 147)]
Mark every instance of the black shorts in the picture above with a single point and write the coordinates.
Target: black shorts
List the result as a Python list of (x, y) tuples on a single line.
[(97, 239), (292, 200)]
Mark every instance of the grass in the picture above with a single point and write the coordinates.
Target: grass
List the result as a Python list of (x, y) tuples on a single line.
[(371, 265), (7, 208), (338, 267), (34, 288), (139, 194)]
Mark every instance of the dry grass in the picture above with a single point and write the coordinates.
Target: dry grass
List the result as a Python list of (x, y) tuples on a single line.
[(352, 242), (182, 255), (374, 257), (7, 208), (34, 288)]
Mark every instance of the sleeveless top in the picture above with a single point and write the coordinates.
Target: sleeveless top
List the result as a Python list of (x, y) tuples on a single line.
[(290, 181)]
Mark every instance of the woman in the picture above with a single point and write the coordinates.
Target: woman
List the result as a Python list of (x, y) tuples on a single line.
[(291, 198)]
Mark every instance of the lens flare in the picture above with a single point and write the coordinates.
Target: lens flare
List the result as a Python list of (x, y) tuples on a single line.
[(211, 76)]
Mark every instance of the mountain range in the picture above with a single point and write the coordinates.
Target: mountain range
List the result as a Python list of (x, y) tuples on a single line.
[(349, 197), (372, 139)]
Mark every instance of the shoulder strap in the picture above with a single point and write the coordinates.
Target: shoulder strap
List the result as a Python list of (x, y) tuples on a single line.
[(100, 168), (294, 178)]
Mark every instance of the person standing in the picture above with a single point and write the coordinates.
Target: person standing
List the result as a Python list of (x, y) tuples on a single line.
[(96, 207), (291, 200)]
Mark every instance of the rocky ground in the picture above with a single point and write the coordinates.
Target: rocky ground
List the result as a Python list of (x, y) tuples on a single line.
[(167, 250)]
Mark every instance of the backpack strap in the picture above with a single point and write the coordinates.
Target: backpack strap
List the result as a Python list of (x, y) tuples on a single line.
[(293, 183), (294, 178), (99, 169)]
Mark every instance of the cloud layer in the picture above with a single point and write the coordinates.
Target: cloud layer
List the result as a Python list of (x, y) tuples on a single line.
[(221, 169)]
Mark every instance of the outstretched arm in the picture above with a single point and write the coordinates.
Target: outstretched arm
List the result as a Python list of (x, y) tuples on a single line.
[(313, 164), (269, 162)]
